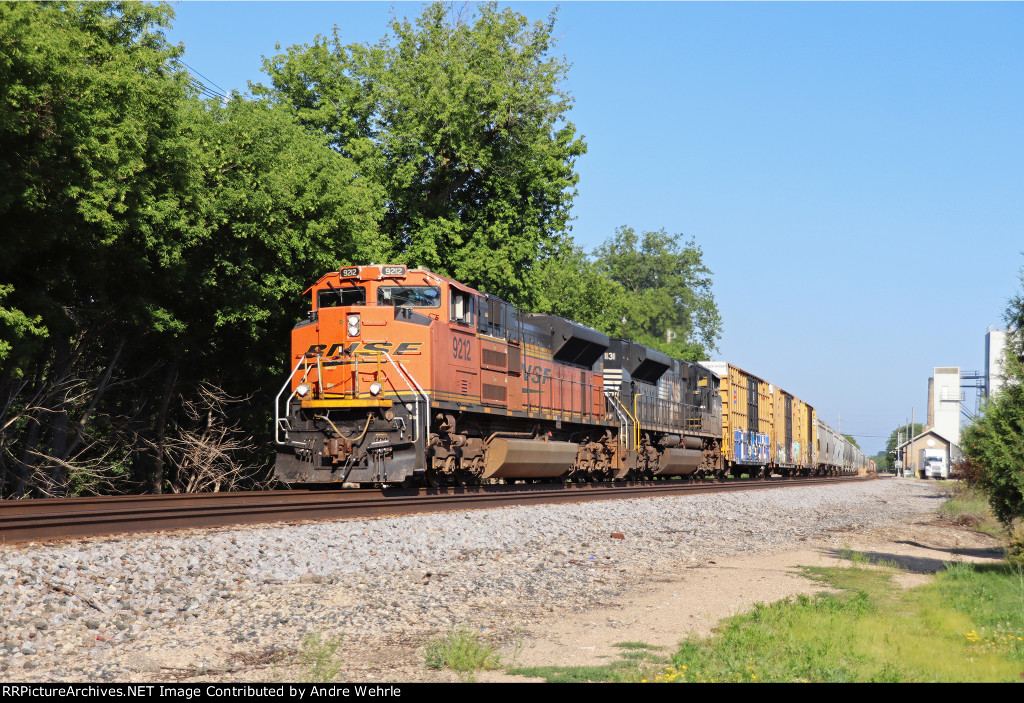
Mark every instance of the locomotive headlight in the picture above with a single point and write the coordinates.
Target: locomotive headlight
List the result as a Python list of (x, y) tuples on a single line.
[(353, 325), (302, 390), (376, 388)]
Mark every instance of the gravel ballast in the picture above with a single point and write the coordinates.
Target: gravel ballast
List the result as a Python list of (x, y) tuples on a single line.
[(235, 604)]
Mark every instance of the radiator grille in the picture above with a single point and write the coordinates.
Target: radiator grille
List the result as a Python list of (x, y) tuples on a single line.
[(494, 358), (493, 392)]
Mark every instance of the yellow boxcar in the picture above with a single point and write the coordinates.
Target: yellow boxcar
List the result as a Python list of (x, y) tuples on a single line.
[(746, 416), (793, 437)]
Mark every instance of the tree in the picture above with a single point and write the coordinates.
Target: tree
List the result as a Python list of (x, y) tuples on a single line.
[(668, 303), (850, 438), (994, 441), (575, 288), (896, 437), (89, 153), (650, 289), (462, 125), (155, 245)]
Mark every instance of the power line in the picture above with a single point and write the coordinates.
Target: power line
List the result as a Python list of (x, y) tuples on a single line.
[(222, 91), (202, 88)]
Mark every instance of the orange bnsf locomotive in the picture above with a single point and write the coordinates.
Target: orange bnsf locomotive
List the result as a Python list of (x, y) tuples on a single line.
[(402, 376)]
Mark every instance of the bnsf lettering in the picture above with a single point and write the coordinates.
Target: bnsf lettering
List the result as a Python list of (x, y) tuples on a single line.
[(341, 349), (537, 373), (369, 348), (460, 348)]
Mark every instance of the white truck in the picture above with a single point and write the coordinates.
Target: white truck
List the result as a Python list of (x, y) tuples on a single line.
[(933, 463)]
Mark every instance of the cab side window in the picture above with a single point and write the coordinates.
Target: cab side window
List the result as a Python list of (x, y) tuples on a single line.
[(461, 307)]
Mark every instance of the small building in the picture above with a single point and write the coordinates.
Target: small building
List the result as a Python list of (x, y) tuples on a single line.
[(910, 451)]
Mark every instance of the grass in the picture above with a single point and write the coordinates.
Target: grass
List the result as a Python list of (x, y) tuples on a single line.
[(864, 559), (462, 651), (637, 662), (967, 626), (969, 507)]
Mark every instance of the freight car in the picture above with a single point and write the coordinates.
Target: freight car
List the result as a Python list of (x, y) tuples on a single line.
[(402, 376), (766, 430)]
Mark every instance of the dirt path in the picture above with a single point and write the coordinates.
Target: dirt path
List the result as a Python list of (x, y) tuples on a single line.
[(668, 610)]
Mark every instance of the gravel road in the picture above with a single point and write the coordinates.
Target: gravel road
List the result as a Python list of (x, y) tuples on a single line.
[(235, 604)]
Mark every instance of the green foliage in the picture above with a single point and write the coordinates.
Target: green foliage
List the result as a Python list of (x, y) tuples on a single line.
[(576, 289), (463, 652), (15, 329), (648, 288), (994, 441), (667, 290), (318, 656), (87, 150), (461, 121), (154, 245), (1015, 549), (969, 506)]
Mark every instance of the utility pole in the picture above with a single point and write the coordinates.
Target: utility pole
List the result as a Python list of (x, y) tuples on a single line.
[(911, 435)]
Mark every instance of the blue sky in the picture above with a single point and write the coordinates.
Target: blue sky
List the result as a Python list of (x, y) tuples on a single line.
[(854, 172)]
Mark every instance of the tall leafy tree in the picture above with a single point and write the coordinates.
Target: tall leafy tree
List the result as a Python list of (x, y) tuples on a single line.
[(576, 288), (994, 441), (86, 108), (274, 207), (462, 123), (89, 158), (652, 288), (154, 245), (668, 299)]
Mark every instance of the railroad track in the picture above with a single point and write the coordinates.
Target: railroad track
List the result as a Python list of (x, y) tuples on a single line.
[(62, 518)]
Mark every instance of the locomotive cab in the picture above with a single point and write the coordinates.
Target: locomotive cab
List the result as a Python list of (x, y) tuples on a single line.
[(352, 410)]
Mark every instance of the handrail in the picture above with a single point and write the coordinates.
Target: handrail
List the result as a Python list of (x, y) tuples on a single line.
[(417, 390), (277, 407), (621, 409)]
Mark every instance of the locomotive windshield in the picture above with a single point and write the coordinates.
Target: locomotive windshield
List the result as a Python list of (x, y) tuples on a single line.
[(409, 296), (336, 297)]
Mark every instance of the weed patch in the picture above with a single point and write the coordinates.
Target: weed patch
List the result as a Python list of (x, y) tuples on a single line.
[(318, 656), (969, 507), (462, 651)]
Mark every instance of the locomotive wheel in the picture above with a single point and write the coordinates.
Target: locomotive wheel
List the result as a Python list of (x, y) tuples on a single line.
[(465, 477)]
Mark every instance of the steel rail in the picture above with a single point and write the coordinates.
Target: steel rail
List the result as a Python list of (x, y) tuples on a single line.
[(62, 518)]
